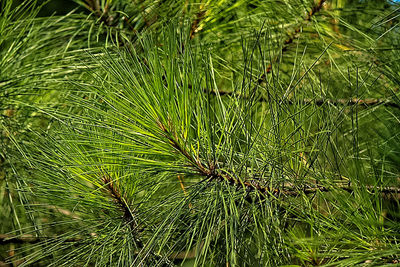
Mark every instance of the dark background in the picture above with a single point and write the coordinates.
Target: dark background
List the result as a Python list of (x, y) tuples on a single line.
[(59, 7)]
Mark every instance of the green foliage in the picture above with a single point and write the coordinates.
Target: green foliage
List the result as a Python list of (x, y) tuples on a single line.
[(236, 133)]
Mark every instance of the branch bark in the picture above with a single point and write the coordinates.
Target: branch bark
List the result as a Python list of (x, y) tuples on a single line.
[(20, 239), (195, 24)]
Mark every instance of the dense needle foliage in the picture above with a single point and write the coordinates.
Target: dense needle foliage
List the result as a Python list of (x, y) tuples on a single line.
[(200, 133)]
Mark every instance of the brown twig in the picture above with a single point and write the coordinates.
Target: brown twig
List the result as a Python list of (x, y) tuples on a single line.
[(180, 178), (115, 194), (195, 24)]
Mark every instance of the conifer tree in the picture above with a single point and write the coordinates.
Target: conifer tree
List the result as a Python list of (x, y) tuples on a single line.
[(200, 133)]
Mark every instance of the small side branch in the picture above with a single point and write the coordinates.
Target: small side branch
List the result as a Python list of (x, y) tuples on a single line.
[(322, 101), (120, 200), (294, 35), (115, 193)]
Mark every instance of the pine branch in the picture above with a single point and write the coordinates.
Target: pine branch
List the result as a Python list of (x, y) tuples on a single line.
[(30, 239), (104, 16), (372, 189), (350, 102), (292, 36), (250, 186)]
